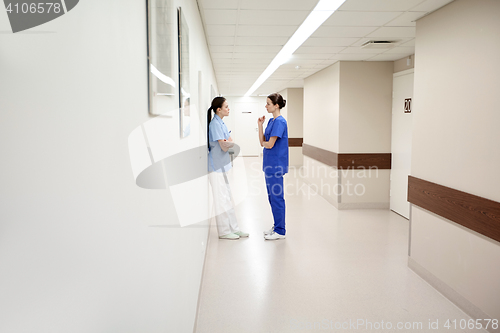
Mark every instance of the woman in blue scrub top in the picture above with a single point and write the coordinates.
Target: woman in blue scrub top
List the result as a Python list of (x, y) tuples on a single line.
[(275, 142), (219, 163)]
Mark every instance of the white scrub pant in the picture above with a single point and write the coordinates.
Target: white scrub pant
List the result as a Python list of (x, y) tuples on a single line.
[(224, 209)]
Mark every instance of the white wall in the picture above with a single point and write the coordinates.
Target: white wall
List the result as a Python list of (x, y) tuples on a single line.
[(347, 109), (77, 249), (321, 108), (365, 106), (294, 114), (403, 64), (243, 125), (295, 109), (455, 142)]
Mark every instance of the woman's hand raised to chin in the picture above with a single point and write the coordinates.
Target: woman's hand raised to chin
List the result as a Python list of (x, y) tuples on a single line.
[(261, 120)]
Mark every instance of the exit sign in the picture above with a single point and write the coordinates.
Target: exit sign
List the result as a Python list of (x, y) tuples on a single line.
[(407, 105)]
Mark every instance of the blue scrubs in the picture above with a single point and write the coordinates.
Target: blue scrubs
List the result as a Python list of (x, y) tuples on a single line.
[(218, 160), (275, 166)]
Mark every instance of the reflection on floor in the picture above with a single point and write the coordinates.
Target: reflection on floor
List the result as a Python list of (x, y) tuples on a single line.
[(335, 271)]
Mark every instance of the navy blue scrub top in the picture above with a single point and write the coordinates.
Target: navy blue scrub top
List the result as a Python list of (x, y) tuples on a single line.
[(218, 159), (276, 158)]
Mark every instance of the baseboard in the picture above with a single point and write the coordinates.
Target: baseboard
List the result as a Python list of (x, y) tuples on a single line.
[(451, 294)]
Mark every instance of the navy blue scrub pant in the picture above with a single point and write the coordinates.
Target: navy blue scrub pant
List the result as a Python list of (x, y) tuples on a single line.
[(276, 195)]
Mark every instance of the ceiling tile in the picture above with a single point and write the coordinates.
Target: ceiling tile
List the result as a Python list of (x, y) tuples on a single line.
[(393, 32), (304, 62), (221, 48), (261, 41), (278, 4), (268, 56), (221, 61), (215, 41), (284, 75), (319, 49), (330, 41), (353, 56), (410, 43), (213, 16), (250, 61), (328, 62), (331, 31), (431, 5), (406, 19), (266, 30), (299, 83), (380, 5), (272, 17), (320, 56), (300, 71), (220, 30), (218, 4), (225, 55), (237, 68), (359, 49), (360, 19), (257, 48)]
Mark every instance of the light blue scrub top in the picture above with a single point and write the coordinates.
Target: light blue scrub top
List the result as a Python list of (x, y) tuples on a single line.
[(276, 158), (218, 159)]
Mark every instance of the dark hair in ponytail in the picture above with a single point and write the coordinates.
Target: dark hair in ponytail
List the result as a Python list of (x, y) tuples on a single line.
[(216, 103), (277, 99)]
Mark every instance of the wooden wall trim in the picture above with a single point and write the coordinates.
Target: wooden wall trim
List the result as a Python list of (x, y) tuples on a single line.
[(471, 211), (359, 161), (324, 156), (295, 142), (348, 161)]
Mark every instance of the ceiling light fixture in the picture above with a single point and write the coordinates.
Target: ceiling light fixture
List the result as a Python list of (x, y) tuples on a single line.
[(323, 10)]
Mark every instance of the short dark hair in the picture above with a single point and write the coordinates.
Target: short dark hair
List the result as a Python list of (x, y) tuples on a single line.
[(277, 99)]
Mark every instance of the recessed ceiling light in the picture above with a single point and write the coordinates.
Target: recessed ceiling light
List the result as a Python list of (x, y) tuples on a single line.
[(323, 10)]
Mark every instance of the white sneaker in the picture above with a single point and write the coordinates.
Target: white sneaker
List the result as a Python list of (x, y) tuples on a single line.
[(274, 236), (230, 236), (242, 233), (268, 232)]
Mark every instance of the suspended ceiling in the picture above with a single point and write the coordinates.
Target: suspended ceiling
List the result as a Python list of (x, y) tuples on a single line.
[(245, 35)]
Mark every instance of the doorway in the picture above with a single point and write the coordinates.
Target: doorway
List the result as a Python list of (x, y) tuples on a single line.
[(402, 104)]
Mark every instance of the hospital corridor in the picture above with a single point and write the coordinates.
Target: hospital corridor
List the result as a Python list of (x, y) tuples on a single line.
[(249, 166), (334, 268)]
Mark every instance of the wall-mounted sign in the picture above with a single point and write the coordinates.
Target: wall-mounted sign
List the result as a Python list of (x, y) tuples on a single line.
[(407, 105)]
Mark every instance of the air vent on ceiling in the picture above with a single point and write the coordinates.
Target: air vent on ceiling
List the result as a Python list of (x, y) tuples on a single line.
[(378, 44)]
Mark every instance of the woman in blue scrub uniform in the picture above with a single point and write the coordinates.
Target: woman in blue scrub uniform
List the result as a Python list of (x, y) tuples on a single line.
[(275, 142), (219, 163)]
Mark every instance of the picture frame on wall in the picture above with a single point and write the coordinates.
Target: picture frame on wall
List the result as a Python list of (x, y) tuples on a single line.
[(185, 100), (161, 57)]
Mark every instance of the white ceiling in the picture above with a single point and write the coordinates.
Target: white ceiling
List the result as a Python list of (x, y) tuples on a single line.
[(245, 35)]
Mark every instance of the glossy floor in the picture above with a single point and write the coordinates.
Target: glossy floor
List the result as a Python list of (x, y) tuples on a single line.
[(342, 271)]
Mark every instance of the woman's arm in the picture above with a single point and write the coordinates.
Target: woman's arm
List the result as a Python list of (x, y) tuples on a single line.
[(262, 138), (270, 144), (225, 145)]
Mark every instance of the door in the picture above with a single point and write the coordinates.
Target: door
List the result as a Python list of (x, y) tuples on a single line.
[(402, 104), (246, 130)]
